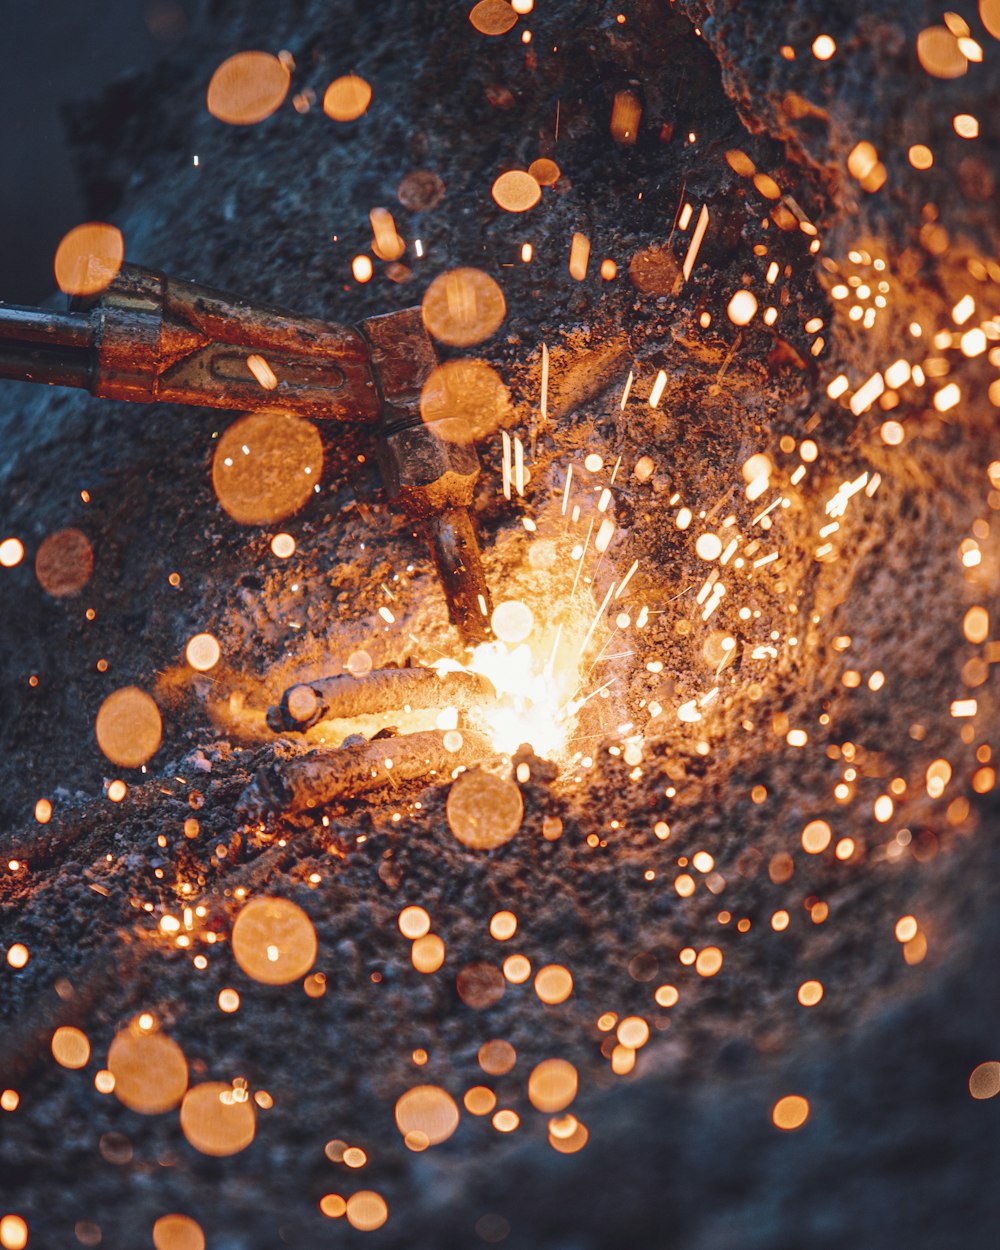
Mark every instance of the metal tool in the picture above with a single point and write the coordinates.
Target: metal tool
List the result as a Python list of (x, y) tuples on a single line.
[(152, 338)]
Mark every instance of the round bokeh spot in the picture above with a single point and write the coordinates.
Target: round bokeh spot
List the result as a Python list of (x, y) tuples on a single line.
[(64, 563), (266, 465), (484, 811), (128, 727), (247, 87), (463, 307), (274, 941)]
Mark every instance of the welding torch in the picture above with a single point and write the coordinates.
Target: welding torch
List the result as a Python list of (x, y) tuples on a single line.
[(152, 338)]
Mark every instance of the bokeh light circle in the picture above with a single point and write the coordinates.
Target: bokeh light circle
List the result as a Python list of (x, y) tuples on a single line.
[(88, 258), (217, 1119), (266, 465), (150, 1071), (427, 1109), (463, 307), (64, 563), (347, 98), (178, 1232), (484, 811), (465, 400), (128, 727), (274, 941), (247, 87)]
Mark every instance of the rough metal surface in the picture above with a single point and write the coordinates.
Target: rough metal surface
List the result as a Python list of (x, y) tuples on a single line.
[(682, 1152)]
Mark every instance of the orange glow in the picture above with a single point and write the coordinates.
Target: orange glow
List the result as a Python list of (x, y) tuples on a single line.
[(266, 466), (429, 1111), (178, 1232), (516, 191), (463, 307), (11, 552), (347, 98), (203, 652), (218, 1119), (88, 258), (247, 87), (128, 728), (367, 1210), (70, 1048), (790, 1112), (149, 1071), (274, 941)]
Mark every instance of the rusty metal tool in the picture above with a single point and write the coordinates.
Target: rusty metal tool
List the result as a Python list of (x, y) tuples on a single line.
[(152, 338)]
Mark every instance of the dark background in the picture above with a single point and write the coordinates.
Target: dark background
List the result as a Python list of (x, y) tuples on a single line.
[(54, 54)]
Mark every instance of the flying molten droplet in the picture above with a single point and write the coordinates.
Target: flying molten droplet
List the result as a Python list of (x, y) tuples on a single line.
[(420, 190), (247, 87), (70, 1048), (940, 54), (64, 563), (984, 1080), (516, 191), (742, 307), (429, 1110), (553, 984), (790, 1112), (367, 1210), (88, 258), (128, 727), (150, 1071), (484, 811), (552, 1085), (347, 98), (11, 552), (203, 652), (493, 17), (465, 400), (463, 307), (545, 172), (178, 1232), (216, 1119), (274, 941), (708, 546), (512, 621), (266, 465)]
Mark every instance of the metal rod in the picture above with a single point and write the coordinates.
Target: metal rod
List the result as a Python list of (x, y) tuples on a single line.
[(40, 325), (330, 775), (383, 690), (459, 565), (55, 365)]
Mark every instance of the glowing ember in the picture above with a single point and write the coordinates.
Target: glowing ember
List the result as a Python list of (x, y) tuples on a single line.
[(426, 1115), (274, 941), (266, 466), (347, 98), (128, 727), (178, 1232), (484, 811), (218, 1119), (247, 87), (203, 652), (149, 1071), (70, 1047), (88, 258)]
